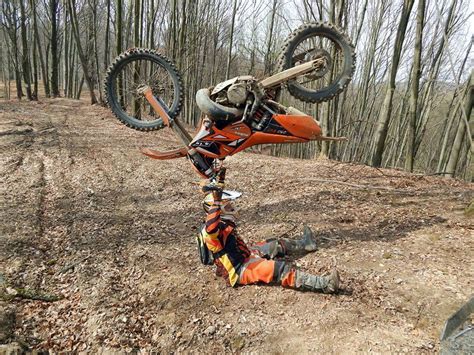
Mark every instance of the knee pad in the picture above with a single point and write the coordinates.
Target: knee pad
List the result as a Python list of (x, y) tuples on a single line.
[(282, 268)]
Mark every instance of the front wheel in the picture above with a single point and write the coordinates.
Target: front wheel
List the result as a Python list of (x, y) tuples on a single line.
[(132, 70), (322, 41)]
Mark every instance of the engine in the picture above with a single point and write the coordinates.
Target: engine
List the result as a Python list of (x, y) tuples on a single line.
[(237, 93)]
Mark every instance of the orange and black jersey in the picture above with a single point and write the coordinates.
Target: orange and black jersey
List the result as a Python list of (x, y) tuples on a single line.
[(229, 251)]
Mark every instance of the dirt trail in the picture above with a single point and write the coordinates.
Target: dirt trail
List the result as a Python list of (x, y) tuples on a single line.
[(86, 216)]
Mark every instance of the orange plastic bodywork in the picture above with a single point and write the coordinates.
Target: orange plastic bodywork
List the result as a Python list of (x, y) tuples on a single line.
[(267, 138), (232, 132), (238, 129), (300, 126), (148, 93), (228, 134), (233, 138)]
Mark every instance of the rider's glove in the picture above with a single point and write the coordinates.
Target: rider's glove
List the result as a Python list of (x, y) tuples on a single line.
[(215, 188), (212, 186), (216, 185)]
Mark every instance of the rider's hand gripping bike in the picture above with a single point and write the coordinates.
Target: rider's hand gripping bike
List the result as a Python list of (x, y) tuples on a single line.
[(144, 90)]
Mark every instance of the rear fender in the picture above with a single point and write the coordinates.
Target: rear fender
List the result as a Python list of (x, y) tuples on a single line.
[(266, 138), (302, 126)]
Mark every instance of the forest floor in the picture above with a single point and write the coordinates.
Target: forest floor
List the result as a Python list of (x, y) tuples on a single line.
[(86, 217)]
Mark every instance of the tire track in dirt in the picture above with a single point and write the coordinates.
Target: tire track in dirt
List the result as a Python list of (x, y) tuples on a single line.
[(40, 211)]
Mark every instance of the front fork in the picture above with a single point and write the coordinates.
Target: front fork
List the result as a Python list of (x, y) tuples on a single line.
[(174, 123), (202, 165)]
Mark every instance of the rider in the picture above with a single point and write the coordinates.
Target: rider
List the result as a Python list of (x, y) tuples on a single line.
[(243, 265)]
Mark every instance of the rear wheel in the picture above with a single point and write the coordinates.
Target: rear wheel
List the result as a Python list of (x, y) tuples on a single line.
[(134, 69), (322, 41)]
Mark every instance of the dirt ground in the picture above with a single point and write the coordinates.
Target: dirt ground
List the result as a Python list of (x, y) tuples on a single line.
[(86, 217)]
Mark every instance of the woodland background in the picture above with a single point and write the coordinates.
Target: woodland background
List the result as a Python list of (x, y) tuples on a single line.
[(408, 105)]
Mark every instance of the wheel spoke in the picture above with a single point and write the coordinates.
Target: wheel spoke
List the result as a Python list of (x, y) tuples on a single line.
[(144, 72), (308, 50)]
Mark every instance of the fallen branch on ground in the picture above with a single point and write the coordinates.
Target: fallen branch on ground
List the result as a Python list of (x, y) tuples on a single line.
[(12, 293), (73, 265), (365, 187)]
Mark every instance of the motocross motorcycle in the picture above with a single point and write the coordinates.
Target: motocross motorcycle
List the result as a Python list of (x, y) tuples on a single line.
[(145, 92)]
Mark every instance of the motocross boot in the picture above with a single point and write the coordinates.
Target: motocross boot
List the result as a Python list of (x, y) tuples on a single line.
[(325, 284), (306, 243)]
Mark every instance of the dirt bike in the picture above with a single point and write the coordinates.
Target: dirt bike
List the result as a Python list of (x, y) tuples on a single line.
[(145, 92)]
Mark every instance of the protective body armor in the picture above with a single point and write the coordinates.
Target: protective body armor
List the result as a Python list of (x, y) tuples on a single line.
[(204, 252)]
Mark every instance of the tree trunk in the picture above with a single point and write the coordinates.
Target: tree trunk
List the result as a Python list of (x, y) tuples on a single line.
[(10, 23), (118, 26), (25, 54), (462, 128), (182, 35), (95, 32), (5, 65), (136, 27), (35, 73), (44, 69), (85, 68), (231, 40), (428, 96), (451, 114), (268, 64), (384, 119), (70, 90), (107, 38), (54, 10), (136, 42), (415, 83), (67, 73)]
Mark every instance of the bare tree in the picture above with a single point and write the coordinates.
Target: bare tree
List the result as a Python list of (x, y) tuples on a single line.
[(231, 39), (54, 14), (415, 83), (453, 110), (39, 49), (268, 62), (402, 102), (25, 52), (107, 37), (382, 123), (463, 127), (85, 65), (11, 25)]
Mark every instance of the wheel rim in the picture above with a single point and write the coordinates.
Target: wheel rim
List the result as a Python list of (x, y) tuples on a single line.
[(135, 73), (324, 46)]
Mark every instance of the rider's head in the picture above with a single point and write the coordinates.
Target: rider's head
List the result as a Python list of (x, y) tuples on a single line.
[(228, 210)]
